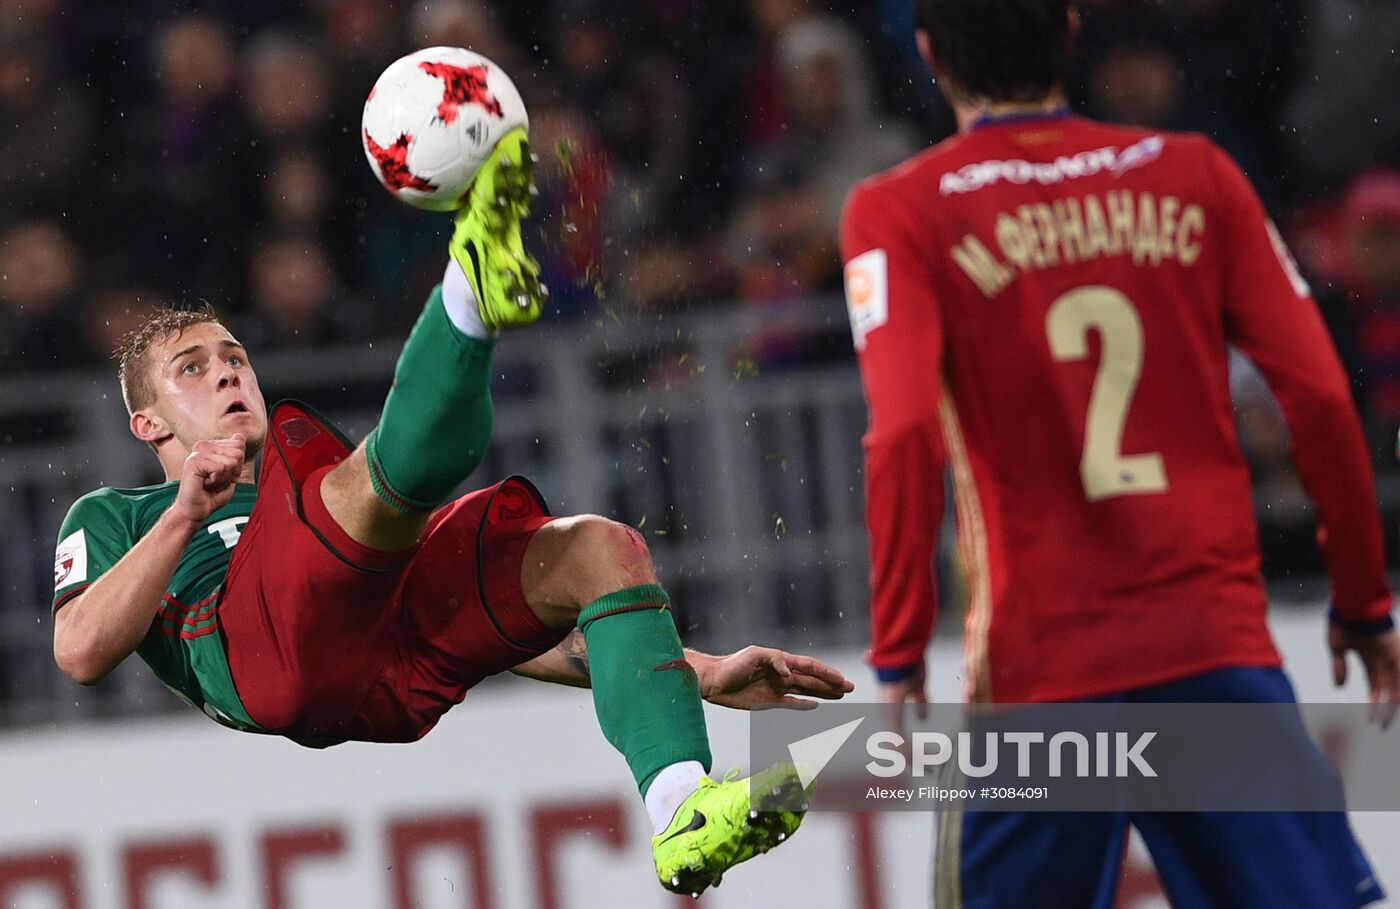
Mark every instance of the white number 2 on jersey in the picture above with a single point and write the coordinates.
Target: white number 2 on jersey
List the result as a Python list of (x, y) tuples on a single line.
[(1103, 468)]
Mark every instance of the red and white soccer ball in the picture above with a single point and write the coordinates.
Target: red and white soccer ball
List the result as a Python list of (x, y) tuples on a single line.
[(432, 118)]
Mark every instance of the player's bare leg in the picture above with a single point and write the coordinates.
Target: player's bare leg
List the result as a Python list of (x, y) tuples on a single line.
[(570, 562), (597, 575), (369, 520)]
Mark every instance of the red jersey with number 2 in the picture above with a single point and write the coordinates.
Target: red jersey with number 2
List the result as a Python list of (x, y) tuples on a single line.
[(1044, 305)]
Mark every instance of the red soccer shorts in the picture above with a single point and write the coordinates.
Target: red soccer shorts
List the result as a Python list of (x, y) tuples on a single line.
[(327, 637)]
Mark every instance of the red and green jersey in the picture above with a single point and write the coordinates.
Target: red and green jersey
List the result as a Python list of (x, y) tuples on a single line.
[(184, 646)]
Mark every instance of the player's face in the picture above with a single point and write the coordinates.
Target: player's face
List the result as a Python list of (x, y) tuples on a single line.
[(206, 388)]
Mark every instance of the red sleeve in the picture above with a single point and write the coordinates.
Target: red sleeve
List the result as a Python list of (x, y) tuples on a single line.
[(899, 345), (1271, 316)]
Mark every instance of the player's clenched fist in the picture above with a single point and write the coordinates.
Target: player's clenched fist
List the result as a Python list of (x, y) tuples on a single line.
[(209, 476)]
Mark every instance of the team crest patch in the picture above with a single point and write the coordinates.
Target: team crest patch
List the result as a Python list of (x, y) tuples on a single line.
[(70, 561), (298, 431), (867, 294)]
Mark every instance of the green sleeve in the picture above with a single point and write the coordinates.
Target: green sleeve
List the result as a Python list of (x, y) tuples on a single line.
[(95, 534)]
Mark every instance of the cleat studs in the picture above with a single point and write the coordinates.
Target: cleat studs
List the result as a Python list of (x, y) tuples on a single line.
[(781, 837), (752, 814), (777, 791), (675, 880), (544, 289), (523, 301)]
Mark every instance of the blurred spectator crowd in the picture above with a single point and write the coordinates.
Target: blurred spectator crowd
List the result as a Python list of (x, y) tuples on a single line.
[(691, 151)]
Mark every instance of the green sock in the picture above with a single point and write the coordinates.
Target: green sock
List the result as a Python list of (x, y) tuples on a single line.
[(437, 419), (646, 695)]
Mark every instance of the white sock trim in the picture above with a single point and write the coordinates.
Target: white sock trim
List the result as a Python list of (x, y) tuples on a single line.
[(460, 303), (668, 789)]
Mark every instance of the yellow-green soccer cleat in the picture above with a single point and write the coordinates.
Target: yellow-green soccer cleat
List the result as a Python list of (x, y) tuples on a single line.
[(724, 823), (487, 242)]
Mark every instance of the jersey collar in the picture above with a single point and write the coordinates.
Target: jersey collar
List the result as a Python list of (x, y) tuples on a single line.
[(1038, 116)]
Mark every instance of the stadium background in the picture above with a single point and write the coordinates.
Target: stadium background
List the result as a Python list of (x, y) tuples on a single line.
[(694, 376)]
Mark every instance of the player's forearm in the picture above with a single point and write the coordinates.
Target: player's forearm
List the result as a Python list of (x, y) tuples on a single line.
[(566, 664), (1330, 452), (1272, 318), (904, 496), (107, 622)]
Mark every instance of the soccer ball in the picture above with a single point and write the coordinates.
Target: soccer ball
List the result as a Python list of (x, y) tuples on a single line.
[(432, 118)]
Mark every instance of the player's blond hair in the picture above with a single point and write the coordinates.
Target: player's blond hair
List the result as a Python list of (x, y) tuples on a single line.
[(133, 366)]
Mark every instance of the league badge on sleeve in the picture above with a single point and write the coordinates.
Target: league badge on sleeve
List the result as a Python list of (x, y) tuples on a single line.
[(867, 294), (70, 562)]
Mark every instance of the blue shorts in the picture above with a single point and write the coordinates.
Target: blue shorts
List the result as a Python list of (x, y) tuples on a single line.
[(1264, 860)]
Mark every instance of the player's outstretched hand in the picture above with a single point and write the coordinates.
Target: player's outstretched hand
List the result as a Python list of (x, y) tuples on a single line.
[(1380, 654), (208, 479), (765, 677)]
